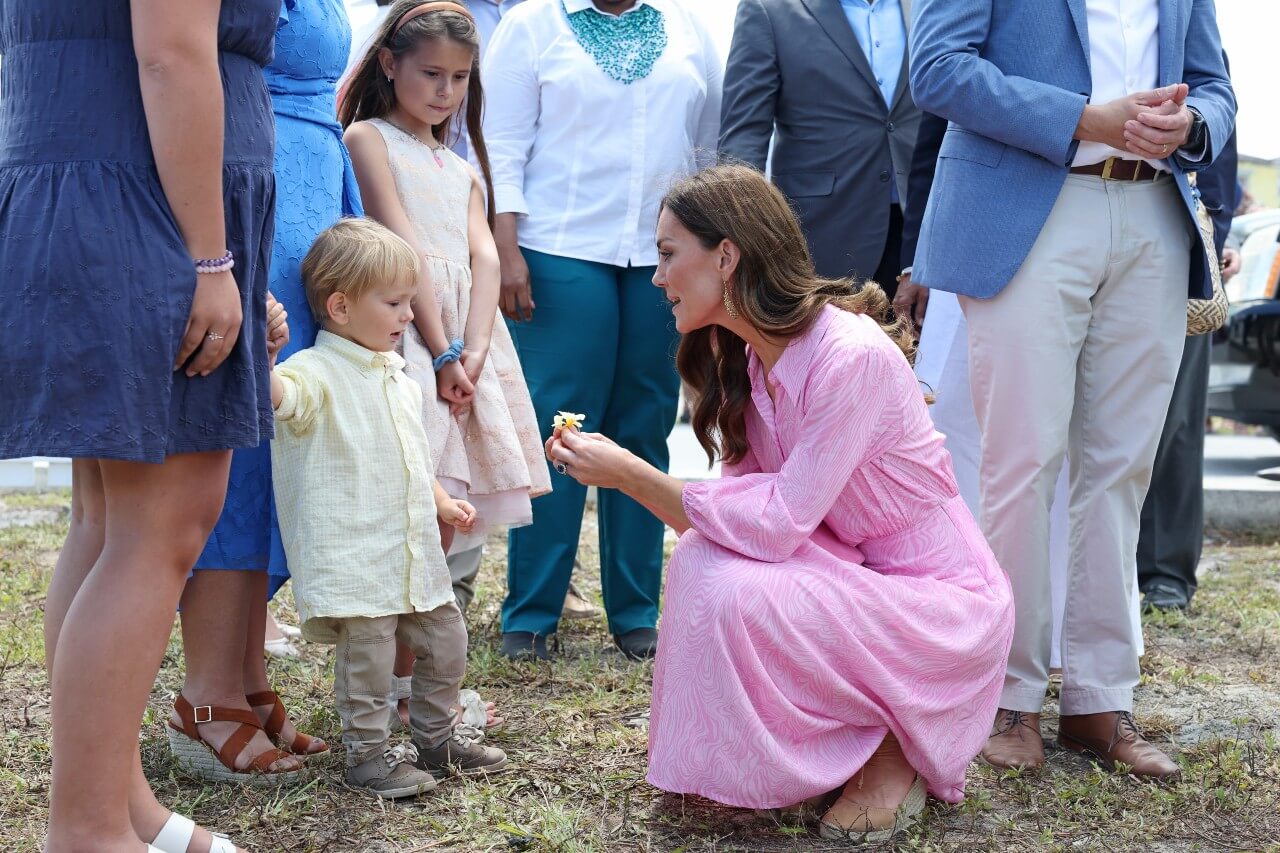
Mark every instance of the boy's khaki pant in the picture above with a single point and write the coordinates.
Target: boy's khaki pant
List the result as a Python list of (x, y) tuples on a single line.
[(366, 653)]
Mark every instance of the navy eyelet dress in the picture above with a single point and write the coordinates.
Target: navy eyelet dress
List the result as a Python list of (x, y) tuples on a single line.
[(95, 281)]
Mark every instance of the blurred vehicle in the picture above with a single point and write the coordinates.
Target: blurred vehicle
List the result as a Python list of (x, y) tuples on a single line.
[(1244, 374)]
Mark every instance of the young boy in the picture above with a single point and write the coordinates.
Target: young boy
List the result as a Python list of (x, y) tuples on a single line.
[(358, 503)]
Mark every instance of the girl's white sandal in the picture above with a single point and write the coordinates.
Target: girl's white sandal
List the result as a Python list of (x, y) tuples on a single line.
[(176, 834)]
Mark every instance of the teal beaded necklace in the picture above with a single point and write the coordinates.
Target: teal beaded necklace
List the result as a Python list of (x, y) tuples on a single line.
[(625, 47)]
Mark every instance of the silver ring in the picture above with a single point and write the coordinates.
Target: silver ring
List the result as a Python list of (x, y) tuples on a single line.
[(214, 336), (562, 468)]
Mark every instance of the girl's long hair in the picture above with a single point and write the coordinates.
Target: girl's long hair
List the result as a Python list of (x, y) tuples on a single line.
[(368, 94), (774, 288)]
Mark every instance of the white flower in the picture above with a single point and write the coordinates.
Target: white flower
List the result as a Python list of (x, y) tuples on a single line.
[(568, 420)]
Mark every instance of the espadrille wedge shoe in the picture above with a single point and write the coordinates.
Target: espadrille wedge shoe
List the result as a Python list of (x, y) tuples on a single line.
[(874, 825), (197, 756), (302, 744)]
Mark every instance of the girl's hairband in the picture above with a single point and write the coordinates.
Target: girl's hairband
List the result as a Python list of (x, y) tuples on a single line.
[(441, 6)]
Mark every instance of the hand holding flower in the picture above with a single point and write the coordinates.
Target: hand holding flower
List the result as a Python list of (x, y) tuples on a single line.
[(590, 458)]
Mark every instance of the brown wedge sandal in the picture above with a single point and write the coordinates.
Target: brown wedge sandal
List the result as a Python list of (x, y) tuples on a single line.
[(197, 756), (301, 743)]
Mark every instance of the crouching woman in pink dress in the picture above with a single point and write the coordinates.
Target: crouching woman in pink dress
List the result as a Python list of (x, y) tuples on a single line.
[(834, 623)]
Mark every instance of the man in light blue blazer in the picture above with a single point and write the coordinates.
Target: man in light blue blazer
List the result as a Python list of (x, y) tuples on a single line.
[(1062, 216)]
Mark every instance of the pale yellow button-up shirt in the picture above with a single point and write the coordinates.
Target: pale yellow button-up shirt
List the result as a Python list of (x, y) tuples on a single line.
[(352, 474)]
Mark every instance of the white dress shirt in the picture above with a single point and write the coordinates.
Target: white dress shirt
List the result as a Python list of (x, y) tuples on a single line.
[(583, 158), (1124, 57)]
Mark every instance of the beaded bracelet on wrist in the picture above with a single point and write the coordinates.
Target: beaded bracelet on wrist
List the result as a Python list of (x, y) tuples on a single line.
[(226, 263)]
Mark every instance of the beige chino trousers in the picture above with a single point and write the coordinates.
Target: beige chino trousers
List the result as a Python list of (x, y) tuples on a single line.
[(362, 673), (1080, 352)]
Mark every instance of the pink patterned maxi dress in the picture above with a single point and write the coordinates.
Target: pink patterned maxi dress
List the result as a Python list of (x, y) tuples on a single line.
[(833, 587)]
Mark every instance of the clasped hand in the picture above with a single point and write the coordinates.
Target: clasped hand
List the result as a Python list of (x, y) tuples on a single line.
[(1151, 124), (589, 457)]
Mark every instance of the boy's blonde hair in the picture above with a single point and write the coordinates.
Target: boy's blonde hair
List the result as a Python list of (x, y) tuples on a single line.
[(351, 257)]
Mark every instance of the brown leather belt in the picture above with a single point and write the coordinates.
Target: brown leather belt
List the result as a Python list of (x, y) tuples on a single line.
[(1115, 169)]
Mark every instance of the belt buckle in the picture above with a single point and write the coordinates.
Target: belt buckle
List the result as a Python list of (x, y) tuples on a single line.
[(208, 709), (1106, 169)]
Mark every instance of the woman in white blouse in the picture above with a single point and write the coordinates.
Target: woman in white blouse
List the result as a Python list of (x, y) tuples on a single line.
[(594, 109)]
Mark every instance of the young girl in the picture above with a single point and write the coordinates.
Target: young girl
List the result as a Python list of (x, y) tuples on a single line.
[(421, 67)]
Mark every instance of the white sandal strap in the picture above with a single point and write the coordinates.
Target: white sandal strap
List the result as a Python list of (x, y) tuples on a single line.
[(221, 845), (175, 836)]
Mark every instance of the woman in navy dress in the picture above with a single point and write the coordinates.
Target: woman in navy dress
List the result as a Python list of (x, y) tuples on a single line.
[(243, 564), (135, 148)]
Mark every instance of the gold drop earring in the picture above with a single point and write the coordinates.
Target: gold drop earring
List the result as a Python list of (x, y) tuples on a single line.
[(729, 307)]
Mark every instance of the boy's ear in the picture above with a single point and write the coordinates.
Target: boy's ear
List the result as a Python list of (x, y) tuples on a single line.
[(336, 306)]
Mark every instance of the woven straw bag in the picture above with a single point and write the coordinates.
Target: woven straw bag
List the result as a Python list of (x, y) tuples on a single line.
[(1207, 315)]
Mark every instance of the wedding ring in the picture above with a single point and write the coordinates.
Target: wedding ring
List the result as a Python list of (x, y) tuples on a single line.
[(562, 468), (214, 336)]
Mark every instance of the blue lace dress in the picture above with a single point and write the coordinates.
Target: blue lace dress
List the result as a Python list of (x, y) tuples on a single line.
[(315, 187), (95, 280)]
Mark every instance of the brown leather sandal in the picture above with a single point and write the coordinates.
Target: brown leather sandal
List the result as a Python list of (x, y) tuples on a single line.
[(197, 756), (301, 743)]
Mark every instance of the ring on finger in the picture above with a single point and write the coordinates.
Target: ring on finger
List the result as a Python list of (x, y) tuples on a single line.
[(562, 467), (214, 336)]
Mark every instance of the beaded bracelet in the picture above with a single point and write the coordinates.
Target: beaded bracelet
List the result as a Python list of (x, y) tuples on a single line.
[(226, 263), (452, 354)]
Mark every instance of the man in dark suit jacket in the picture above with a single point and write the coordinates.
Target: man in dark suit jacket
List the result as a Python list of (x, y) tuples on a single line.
[(911, 298), (827, 79)]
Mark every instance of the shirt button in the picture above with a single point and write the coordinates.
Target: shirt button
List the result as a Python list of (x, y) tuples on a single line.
[(877, 44), (880, 80)]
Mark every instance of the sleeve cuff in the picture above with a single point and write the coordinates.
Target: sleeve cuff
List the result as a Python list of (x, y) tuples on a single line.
[(691, 501), (288, 397), (1199, 154), (509, 198)]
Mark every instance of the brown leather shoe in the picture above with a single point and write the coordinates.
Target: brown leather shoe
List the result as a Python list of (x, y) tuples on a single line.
[(1015, 741), (1112, 737)]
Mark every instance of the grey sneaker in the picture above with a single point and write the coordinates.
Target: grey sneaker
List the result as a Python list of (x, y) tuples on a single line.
[(391, 775), (461, 753)]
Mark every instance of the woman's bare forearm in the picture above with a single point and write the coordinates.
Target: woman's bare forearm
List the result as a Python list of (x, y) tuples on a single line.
[(657, 492), (177, 49)]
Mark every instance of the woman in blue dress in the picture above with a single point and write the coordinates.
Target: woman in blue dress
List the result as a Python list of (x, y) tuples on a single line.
[(136, 217), (243, 564)]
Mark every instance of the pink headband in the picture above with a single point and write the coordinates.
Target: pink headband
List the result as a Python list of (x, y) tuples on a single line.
[(441, 6)]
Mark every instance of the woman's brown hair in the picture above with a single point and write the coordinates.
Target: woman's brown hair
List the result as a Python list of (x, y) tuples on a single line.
[(368, 94), (774, 288)]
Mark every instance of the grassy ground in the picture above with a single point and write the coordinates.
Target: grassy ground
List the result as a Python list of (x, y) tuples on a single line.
[(1210, 692)]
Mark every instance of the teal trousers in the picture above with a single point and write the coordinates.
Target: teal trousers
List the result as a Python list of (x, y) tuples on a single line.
[(601, 342)]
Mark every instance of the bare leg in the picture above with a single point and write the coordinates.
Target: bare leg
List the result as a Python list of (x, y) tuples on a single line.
[(270, 630), (254, 667), (216, 625), (106, 634)]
